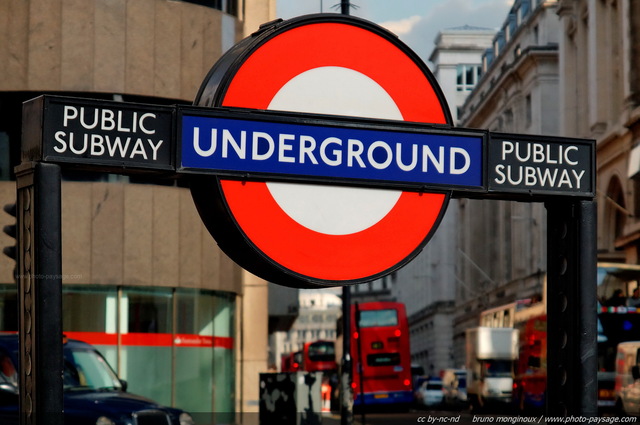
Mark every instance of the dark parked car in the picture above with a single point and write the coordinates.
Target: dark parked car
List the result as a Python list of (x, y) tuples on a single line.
[(93, 393)]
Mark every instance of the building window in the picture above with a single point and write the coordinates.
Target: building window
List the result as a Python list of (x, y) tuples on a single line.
[(525, 6), (498, 43), (508, 120), (227, 6), (467, 77), (615, 215), (5, 157), (528, 111), (512, 27)]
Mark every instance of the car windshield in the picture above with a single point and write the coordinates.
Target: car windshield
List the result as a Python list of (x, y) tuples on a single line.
[(86, 369), (497, 368)]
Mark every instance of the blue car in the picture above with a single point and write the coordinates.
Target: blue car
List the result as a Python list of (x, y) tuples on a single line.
[(93, 393)]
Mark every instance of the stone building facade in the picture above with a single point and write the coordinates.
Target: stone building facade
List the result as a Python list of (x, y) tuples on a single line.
[(427, 285), (140, 271), (600, 99), (503, 243), (567, 68)]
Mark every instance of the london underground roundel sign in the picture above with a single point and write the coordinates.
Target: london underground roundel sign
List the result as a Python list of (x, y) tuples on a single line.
[(309, 234)]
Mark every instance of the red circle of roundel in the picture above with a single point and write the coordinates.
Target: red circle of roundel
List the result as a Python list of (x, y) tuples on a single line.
[(403, 231)]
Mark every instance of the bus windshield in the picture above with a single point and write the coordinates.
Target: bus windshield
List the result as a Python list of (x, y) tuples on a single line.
[(374, 318), (322, 351), (616, 283)]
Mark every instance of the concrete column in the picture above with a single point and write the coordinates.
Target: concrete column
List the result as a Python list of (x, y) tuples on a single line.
[(252, 350)]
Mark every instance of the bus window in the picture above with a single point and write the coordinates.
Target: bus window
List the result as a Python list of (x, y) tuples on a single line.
[(374, 318), (322, 351)]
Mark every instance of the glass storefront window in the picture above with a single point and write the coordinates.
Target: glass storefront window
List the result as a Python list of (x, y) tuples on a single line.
[(146, 346), (90, 314), (194, 350), (223, 356), (89, 309), (204, 338), (175, 346), (148, 310)]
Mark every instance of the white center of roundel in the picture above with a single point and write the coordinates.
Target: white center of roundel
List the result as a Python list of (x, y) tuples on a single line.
[(334, 210)]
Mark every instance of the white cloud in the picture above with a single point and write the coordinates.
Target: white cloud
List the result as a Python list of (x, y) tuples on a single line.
[(450, 14), (402, 26), (416, 22)]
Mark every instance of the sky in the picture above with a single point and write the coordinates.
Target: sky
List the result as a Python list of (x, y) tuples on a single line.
[(416, 22)]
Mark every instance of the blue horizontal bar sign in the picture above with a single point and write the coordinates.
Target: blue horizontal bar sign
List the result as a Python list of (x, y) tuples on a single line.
[(247, 146)]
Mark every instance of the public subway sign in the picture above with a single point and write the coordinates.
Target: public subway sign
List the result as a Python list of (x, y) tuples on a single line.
[(108, 133), (537, 165), (373, 153)]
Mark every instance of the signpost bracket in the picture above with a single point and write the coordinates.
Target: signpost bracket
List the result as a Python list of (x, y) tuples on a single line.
[(572, 353), (40, 294)]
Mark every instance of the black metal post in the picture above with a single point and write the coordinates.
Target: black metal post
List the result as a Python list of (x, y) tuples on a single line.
[(360, 365), (344, 7), (346, 392), (40, 293), (346, 411), (572, 349)]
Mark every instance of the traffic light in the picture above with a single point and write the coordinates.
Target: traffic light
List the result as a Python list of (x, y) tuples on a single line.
[(10, 230)]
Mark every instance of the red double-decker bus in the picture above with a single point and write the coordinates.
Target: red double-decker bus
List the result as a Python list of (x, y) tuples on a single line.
[(290, 362), (381, 354), (319, 356), (316, 356), (530, 375)]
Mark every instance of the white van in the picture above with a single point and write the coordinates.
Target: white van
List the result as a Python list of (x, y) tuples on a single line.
[(627, 381)]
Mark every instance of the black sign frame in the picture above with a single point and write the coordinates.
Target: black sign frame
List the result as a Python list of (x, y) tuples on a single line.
[(585, 148), (40, 143), (43, 142)]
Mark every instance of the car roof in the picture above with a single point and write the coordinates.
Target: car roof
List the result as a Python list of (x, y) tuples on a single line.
[(10, 343)]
